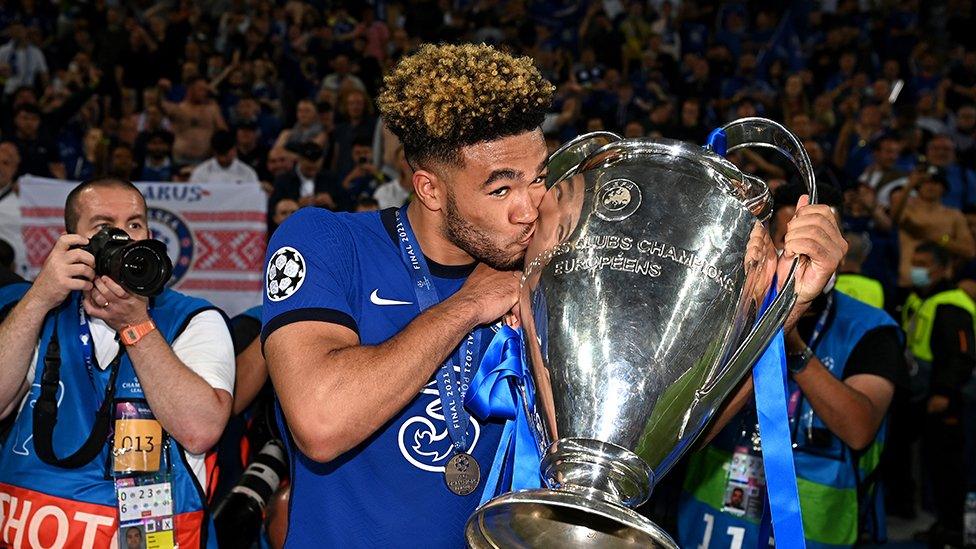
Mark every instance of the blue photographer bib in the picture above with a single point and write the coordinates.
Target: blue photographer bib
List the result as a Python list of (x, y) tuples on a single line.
[(44, 505), (390, 490)]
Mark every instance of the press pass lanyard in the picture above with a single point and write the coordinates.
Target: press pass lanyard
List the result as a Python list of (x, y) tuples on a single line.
[(451, 387), (794, 402)]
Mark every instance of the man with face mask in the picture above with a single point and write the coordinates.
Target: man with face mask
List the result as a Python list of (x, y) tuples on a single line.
[(938, 318), (844, 359)]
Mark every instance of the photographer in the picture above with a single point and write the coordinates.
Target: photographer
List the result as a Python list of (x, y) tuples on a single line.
[(364, 179), (84, 352)]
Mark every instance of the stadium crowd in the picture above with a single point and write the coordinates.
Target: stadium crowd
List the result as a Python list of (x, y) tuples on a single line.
[(281, 94)]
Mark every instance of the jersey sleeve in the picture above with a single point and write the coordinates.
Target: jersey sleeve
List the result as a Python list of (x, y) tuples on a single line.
[(309, 272)]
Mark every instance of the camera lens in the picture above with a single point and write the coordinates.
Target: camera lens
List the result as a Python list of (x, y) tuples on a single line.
[(144, 269)]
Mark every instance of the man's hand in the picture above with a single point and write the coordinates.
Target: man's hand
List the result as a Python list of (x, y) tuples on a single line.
[(112, 303), (491, 294), (812, 232), (64, 271)]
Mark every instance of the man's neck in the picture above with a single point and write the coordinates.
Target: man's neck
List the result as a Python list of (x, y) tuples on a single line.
[(433, 243)]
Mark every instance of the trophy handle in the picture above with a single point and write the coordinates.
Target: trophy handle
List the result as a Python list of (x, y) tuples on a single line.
[(567, 159), (763, 133)]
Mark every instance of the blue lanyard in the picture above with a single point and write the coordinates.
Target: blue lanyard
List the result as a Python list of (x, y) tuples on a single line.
[(87, 346), (451, 387)]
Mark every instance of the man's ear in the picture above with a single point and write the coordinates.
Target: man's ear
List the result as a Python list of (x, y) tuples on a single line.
[(430, 189)]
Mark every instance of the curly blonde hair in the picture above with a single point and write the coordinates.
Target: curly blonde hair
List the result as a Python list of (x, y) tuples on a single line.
[(446, 97)]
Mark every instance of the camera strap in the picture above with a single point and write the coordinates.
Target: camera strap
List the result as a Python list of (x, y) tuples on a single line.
[(46, 411)]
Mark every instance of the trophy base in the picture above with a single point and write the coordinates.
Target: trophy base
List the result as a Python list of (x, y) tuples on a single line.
[(559, 518)]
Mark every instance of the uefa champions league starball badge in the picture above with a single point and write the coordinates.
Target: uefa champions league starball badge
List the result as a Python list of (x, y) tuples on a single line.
[(462, 474)]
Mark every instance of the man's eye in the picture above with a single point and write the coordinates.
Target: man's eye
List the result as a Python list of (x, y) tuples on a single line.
[(540, 179), (500, 192), (135, 225)]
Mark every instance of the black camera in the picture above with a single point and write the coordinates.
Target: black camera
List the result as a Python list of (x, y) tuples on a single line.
[(140, 266)]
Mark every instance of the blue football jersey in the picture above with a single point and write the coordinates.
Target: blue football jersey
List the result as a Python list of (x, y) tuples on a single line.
[(389, 491)]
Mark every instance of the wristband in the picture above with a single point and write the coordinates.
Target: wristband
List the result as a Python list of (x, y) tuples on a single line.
[(131, 335)]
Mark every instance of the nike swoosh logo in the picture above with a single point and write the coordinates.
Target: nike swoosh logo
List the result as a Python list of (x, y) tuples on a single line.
[(377, 300)]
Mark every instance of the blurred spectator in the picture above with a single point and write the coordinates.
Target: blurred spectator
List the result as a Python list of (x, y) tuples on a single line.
[(307, 127), (22, 64), (10, 225), (39, 155), (195, 119), (122, 162), (395, 192), (850, 281), (884, 169), (924, 218), (961, 191), (7, 265), (224, 166), (308, 184), (91, 162), (250, 150), (366, 204), (363, 180), (158, 164), (355, 121)]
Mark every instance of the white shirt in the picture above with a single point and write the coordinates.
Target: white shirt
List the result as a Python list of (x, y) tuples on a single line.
[(391, 194), (26, 63), (210, 171), (306, 185), (10, 226), (204, 346)]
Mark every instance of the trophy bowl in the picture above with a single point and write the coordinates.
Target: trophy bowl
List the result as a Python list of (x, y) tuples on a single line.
[(641, 311)]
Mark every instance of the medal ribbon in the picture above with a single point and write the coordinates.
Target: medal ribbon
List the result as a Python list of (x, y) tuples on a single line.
[(450, 386), (782, 510), (502, 388)]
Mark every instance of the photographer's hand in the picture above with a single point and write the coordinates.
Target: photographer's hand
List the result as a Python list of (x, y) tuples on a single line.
[(66, 268), (110, 302)]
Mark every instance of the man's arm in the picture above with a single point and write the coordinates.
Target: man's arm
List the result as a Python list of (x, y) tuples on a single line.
[(814, 233), (64, 270), (854, 408), (336, 393), (185, 404)]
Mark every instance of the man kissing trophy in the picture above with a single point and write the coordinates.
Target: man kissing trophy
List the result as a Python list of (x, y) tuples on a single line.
[(647, 296)]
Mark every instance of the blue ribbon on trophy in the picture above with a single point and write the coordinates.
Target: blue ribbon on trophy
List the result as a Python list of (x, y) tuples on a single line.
[(502, 388), (782, 509)]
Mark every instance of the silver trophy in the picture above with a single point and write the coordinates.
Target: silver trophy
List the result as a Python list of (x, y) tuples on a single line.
[(640, 305)]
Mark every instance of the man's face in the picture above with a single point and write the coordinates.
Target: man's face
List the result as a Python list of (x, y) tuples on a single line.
[(309, 167), (247, 138), (157, 148), (28, 123), (492, 201), (888, 153), (940, 151), (279, 162), (736, 498), (362, 154), (931, 190), (9, 162), (226, 158), (283, 209), (122, 161), (926, 261), (197, 92), (100, 207), (133, 538)]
